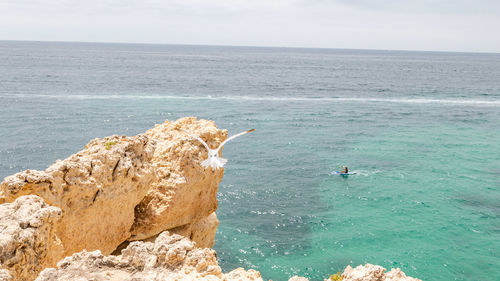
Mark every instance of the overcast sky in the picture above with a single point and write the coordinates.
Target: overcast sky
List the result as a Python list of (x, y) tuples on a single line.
[(441, 25)]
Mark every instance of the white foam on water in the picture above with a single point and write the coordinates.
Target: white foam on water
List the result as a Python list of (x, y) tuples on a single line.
[(464, 102), (367, 173)]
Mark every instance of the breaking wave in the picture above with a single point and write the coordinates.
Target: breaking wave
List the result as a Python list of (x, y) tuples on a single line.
[(464, 102)]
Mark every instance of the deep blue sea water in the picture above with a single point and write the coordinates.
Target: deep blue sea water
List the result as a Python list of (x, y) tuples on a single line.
[(421, 129)]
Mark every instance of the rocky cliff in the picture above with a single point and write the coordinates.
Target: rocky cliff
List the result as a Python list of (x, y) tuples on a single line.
[(169, 257), (97, 190), (123, 208), (126, 188), (28, 242), (370, 272)]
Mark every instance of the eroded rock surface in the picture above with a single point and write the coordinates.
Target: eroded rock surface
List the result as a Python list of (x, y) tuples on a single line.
[(28, 242), (201, 232), (370, 272), (96, 189), (184, 191), (170, 257), (127, 188), (240, 274)]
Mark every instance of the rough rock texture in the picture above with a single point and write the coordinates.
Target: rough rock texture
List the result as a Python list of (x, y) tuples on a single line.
[(5, 275), (28, 242), (241, 274), (184, 191), (127, 188), (201, 232), (96, 188), (370, 272), (170, 257), (397, 275)]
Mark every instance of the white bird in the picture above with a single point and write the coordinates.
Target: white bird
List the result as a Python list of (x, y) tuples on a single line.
[(213, 159)]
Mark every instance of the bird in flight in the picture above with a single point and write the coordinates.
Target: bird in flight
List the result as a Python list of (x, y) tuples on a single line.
[(213, 159)]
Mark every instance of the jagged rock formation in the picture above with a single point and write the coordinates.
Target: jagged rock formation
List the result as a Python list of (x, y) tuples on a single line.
[(97, 190), (170, 257), (127, 188), (28, 242), (202, 232), (184, 192), (5, 275), (370, 272)]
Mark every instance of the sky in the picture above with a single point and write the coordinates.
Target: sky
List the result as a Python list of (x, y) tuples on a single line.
[(432, 25)]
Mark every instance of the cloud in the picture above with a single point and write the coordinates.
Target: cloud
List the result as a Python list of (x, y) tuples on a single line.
[(426, 6), (460, 25)]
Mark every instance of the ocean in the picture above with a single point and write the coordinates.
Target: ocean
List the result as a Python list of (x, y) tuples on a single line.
[(420, 129)]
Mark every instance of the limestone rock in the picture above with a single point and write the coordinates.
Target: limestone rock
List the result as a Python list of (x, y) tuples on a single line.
[(397, 275), (201, 232), (5, 275), (28, 242), (170, 257), (99, 188), (241, 274), (96, 189), (370, 272), (184, 191)]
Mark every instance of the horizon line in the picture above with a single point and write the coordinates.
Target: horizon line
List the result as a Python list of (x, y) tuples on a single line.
[(250, 46)]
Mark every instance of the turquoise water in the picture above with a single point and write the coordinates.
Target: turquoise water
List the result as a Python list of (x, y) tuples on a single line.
[(420, 129)]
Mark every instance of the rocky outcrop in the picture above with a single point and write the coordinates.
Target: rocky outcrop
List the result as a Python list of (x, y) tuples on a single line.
[(240, 274), (370, 272), (127, 188), (184, 191), (97, 190), (170, 257), (5, 275), (28, 242), (201, 232)]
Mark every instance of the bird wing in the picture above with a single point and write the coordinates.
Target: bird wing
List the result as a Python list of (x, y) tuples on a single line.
[(199, 139), (233, 137)]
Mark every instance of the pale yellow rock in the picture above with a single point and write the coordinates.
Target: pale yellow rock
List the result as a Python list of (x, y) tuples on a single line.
[(28, 242), (367, 272), (241, 274), (170, 257), (397, 275), (184, 191), (5, 275), (298, 278), (201, 232), (96, 189), (370, 272), (99, 189)]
